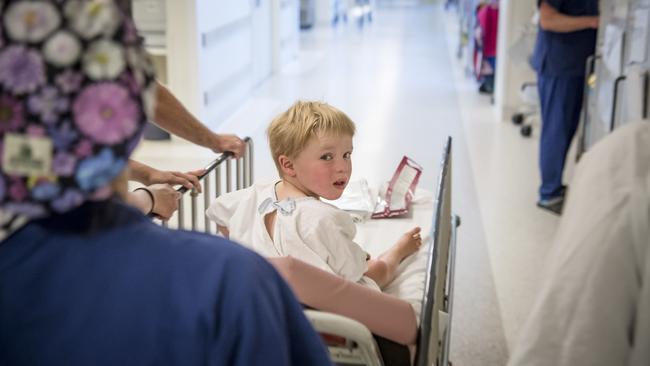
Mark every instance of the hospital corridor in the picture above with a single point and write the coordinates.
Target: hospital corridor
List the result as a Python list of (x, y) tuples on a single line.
[(397, 79), (499, 149)]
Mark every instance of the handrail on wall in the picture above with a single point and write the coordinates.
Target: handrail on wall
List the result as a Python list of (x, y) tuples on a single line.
[(243, 178)]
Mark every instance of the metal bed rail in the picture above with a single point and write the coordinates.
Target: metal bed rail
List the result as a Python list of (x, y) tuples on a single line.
[(217, 179), (437, 304)]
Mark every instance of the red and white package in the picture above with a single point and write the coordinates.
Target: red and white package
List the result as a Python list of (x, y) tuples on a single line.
[(400, 191)]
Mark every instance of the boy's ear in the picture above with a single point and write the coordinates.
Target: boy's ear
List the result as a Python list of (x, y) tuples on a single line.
[(286, 165)]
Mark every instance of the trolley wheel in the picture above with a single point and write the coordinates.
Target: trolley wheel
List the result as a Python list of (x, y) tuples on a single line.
[(526, 130), (518, 118)]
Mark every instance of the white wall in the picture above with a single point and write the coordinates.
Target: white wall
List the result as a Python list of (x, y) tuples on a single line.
[(182, 40), (511, 74), (286, 31), (225, 56), (262, 40), (216, 52)]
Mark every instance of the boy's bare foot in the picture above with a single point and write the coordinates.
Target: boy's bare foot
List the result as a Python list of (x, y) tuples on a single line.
[(383, 269), (410, 242), (407, 244)]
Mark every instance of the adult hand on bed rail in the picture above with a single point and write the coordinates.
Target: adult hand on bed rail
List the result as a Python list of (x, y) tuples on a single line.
[(227, 142), (147, 175), (172, 116), (201, 173), (188, 180), (165, 201), (158, 200)]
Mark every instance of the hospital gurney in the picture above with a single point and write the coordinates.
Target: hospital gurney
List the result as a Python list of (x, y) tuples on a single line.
[(361, 326), (364, 327)]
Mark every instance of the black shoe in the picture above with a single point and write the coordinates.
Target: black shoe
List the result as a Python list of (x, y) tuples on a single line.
[(486, 88), (553, 205)]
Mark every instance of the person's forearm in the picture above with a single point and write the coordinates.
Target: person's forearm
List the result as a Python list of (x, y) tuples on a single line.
[(139, 172), (552, 20), (140, 200), (173, 117)]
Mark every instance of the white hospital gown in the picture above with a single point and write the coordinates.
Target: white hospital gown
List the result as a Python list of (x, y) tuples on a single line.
[(594, 307), (305, 228)]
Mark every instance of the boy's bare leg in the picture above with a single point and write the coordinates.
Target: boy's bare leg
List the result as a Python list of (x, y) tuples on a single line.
[(382, 270)]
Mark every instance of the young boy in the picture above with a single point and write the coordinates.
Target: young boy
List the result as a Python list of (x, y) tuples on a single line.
[(311, 144)]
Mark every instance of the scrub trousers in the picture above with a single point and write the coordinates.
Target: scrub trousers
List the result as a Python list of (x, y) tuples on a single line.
[(561, 104)]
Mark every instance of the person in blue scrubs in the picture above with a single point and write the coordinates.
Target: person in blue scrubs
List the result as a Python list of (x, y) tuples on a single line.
[(566, 38), (86, 279)]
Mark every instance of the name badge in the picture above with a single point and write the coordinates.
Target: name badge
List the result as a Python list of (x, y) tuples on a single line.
[(27, 155)]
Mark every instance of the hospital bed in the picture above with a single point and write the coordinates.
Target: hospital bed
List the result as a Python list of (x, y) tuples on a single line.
[(361, 326)]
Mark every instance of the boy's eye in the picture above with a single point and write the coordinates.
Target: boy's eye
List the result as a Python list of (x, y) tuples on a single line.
[(347, 155), (326, 157)]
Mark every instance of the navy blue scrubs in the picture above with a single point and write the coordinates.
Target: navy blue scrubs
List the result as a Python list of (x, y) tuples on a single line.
[(102, 285), (559, 60)]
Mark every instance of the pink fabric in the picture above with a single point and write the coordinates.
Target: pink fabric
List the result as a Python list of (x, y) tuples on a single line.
[(488, 19), (383, 314)]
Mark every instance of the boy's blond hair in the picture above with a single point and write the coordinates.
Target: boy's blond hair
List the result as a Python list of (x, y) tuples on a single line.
[(290, 131)]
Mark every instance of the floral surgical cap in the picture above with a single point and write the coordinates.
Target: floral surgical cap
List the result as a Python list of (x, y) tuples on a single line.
[(76, 89)]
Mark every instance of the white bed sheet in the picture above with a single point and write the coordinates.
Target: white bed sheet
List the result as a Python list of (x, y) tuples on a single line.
[(377, 235)]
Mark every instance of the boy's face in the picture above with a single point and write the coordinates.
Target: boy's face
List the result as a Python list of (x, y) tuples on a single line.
[(324, 166)]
